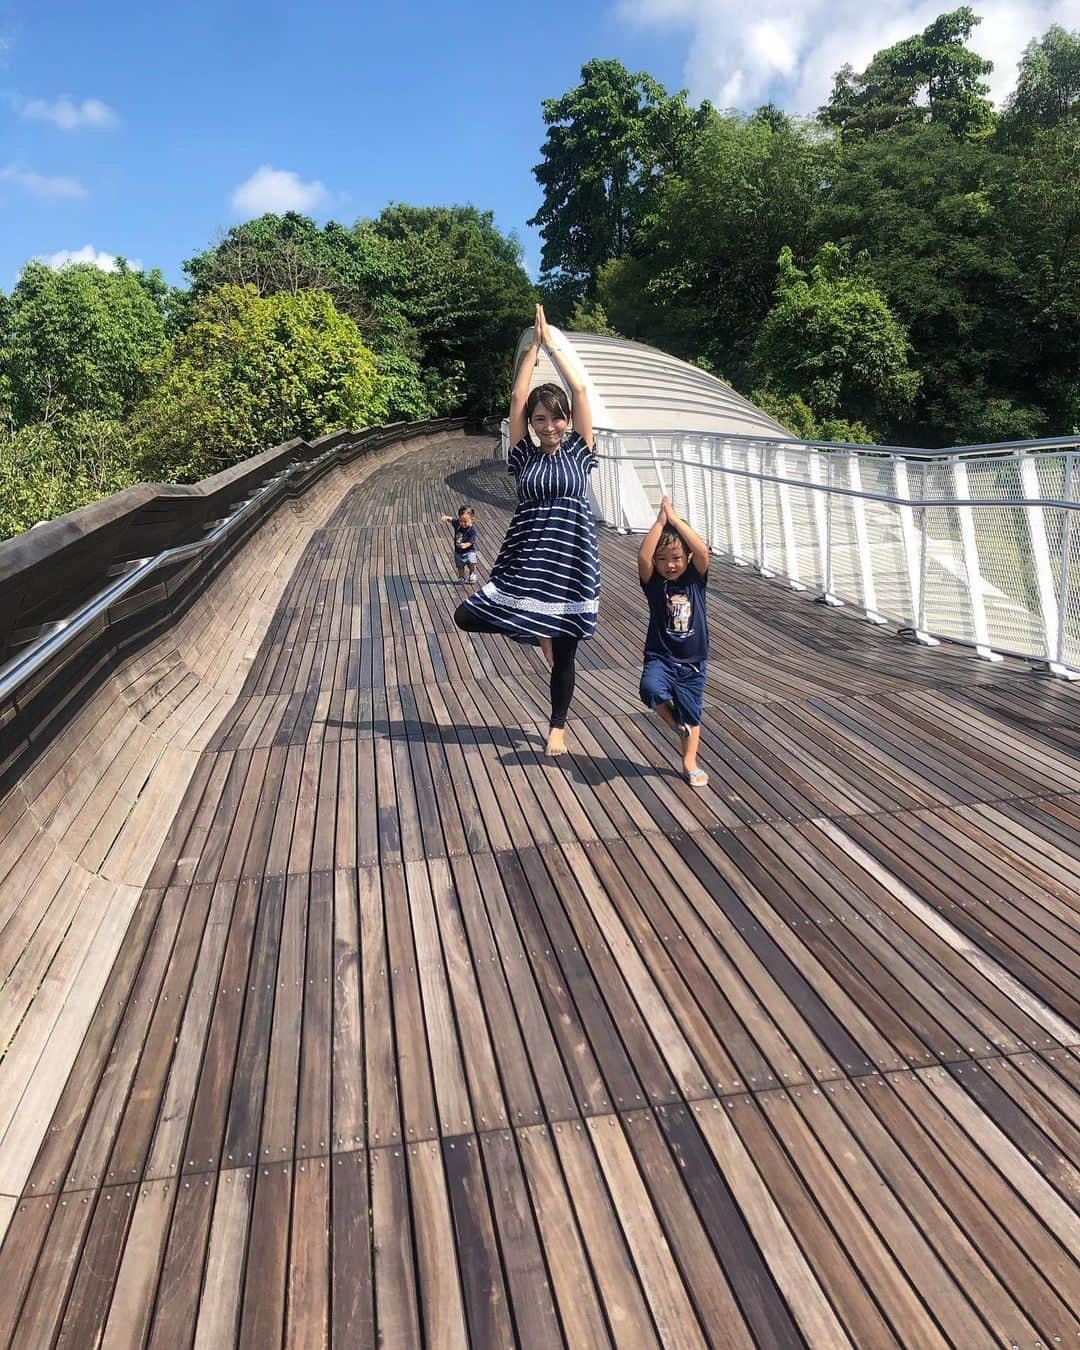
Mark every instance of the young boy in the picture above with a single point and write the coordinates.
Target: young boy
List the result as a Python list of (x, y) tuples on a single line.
[(464, 542), (673, 564)]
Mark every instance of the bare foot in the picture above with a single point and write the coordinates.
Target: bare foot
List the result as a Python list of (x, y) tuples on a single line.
[(556, 742), (549, 656)]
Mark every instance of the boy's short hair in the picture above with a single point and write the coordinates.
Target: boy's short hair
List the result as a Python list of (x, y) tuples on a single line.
[(463, 510), (670, 536)]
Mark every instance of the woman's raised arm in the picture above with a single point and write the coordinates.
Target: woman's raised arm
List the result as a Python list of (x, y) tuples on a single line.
[(569, 368), (522, 379)]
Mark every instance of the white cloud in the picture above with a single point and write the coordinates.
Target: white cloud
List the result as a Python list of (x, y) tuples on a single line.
[(87, 254), (277, 190), (789, 50), (69, 115), (37, 185)]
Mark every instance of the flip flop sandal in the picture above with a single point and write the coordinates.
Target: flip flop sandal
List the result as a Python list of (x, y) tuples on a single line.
[(697, 778)]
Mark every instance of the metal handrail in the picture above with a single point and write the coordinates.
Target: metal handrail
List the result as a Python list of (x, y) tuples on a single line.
[(1000, 449), (863, 495), (936, 558), (20, 668)]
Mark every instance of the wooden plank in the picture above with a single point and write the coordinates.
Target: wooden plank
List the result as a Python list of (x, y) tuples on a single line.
[(629, 1320), (438, 1278), (486, 1298), (396, 1304), (262, 1315), (307, 1320), (177, 1306), (572, 1283), (219, 1300), (132, 1304)]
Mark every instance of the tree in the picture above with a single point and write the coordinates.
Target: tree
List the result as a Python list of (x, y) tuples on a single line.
[(1047, 89), (1037, 328), (832, 339), (923, 205), (463, 290), (251, 371), (612, 141), (931, 77), (81, 340), (356, 266), (47, 470), (702, 276)]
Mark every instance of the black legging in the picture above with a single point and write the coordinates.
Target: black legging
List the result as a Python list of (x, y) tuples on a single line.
[(563, 651)]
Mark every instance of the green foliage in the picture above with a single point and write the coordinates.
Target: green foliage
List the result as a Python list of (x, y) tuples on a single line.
[(251, 371), (922, 204), (357, 267), (931, 77), (1047, 89), (462, 288), (81, 340), (589, 317), (47, 470), (793, 412), (703, 277), (832, 339), (612, 142)]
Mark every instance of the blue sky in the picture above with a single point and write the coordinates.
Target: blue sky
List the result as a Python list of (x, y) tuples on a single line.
[(417, 102), (145, 130)]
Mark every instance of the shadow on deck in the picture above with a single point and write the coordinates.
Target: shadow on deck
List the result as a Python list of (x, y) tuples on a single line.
[(383, 1029)]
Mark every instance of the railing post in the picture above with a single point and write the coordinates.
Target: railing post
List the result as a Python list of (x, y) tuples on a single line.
[(969, 547), (919, 632), (620, 515), (731, 504), (1057, 666), (908, 534), (787, 524), (763, 552), (823, 520), (862, 543), (656, 466), (1040, 553)]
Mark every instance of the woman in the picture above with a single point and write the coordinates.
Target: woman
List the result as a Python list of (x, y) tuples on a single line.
[(545, 583)]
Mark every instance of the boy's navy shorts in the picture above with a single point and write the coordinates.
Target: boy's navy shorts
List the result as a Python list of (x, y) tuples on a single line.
[(665, 680)]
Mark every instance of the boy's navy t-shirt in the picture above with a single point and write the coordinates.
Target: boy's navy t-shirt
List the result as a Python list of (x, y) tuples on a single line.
[(465, 537), (678, 625)]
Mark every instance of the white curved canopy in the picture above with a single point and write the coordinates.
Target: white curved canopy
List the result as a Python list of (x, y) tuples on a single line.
[(638, 388)]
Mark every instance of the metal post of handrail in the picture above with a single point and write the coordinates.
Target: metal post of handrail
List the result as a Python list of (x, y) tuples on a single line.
[(708, 487), (1057, 665), (827, 597), (1046, 598), (620, 516), (969, 550), (787, 525), (919, 633), (763, 569)]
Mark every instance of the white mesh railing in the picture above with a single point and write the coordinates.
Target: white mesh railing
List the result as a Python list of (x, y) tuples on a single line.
[(980, 545)]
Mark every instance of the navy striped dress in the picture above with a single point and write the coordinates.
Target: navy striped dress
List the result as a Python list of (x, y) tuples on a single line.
[(546, 579)]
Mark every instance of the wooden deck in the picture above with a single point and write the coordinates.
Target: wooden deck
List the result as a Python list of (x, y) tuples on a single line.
[(377, 1028)]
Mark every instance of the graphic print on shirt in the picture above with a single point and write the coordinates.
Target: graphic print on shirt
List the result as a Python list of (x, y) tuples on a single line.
[(680, 612)]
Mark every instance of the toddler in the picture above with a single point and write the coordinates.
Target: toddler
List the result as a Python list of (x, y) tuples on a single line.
[(464, 543)]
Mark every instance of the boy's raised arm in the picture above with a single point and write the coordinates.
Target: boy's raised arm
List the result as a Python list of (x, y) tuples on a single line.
[(648, 544), (697, 547)]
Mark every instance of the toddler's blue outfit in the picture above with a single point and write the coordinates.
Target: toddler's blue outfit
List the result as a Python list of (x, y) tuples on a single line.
[(464, 545)]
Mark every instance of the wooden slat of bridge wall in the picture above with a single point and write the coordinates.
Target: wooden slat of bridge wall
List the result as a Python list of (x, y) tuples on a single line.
[(415, 1035)]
